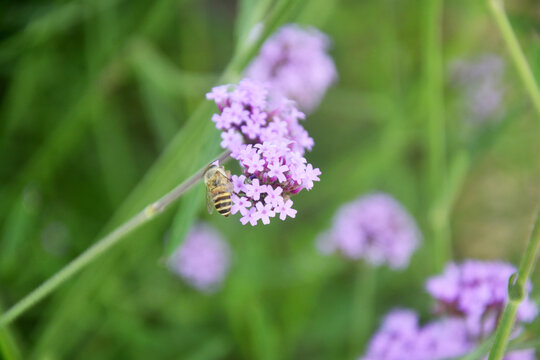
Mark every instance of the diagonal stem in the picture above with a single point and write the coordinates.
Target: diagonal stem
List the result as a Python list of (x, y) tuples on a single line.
[(516, 287), (516, 53), (102, 245), (516, 293)]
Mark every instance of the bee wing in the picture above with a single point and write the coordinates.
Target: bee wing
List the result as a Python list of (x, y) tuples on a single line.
[(209, 202), (225, 180)]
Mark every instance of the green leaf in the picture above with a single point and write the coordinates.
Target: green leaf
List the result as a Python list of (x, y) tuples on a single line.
[(188, 209), (250, 12)]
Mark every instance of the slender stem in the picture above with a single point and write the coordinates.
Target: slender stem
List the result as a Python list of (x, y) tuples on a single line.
[(516, 293), (102, 245), (435, 137), (362, 306), (520, 62), (516, 287)]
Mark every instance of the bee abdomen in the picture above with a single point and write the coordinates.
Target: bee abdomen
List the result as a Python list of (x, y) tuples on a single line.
[(223, 203)]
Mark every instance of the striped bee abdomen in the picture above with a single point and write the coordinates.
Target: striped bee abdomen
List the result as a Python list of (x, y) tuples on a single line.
[(223, 203)]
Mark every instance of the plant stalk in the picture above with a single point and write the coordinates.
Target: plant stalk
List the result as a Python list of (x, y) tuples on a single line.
[(436, 131), (102, 245), (516, 293), (516, 53)]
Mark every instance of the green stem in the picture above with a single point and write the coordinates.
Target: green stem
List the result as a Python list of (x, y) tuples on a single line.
[(520, 62), (362, 306), (436, 142), (516, 293), (101, 246)]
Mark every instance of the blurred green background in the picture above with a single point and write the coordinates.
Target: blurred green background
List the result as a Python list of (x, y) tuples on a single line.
[(100, 115)]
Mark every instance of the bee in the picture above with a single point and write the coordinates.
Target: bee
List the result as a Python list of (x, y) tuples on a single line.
[(218, 189)]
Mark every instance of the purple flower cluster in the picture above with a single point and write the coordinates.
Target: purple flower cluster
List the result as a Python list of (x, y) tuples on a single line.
[(264, 134), (477, 291), (480, 82), (401, 338), (375, 228), (470, 297), (202, 259), (294, 61)]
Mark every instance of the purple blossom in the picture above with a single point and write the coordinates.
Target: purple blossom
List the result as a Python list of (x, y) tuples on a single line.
[(294, 61), (202, 260), (480, 82), (527, 354), (477, 291), (375, 228), (264, 134), (275, 170), (252, 216), (254, 190), (239, 184), (240, 204), (273, 196), (400, 337), (265, 212), (284, 209)]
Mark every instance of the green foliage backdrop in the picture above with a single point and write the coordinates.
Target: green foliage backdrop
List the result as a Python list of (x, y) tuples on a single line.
[(101, 114)]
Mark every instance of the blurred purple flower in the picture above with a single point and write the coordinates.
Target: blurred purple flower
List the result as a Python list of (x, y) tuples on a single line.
[(477, 291), (481, 83), (375, 228), (202, 259), (528, 354), (294, 61), (264, 134), (401, 338)]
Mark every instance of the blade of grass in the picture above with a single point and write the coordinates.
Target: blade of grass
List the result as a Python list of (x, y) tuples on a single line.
[(16, 229), (8, 346)]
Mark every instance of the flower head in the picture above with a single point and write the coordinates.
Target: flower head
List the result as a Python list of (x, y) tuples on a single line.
[(375, 228), (202, 259), (477, 291), (400, 337), (264, 134), (480, 82), (294, 61)]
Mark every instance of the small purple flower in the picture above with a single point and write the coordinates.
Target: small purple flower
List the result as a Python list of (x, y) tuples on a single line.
[(240, 204), (202, 259), (275, 170), (375, 228), (480, 82), (401, 338), (284, 209), (254, 190), (294, 61), (477, 291), (273, 196), (264, 134), (252, 216), (239, 184), (265, 212)]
